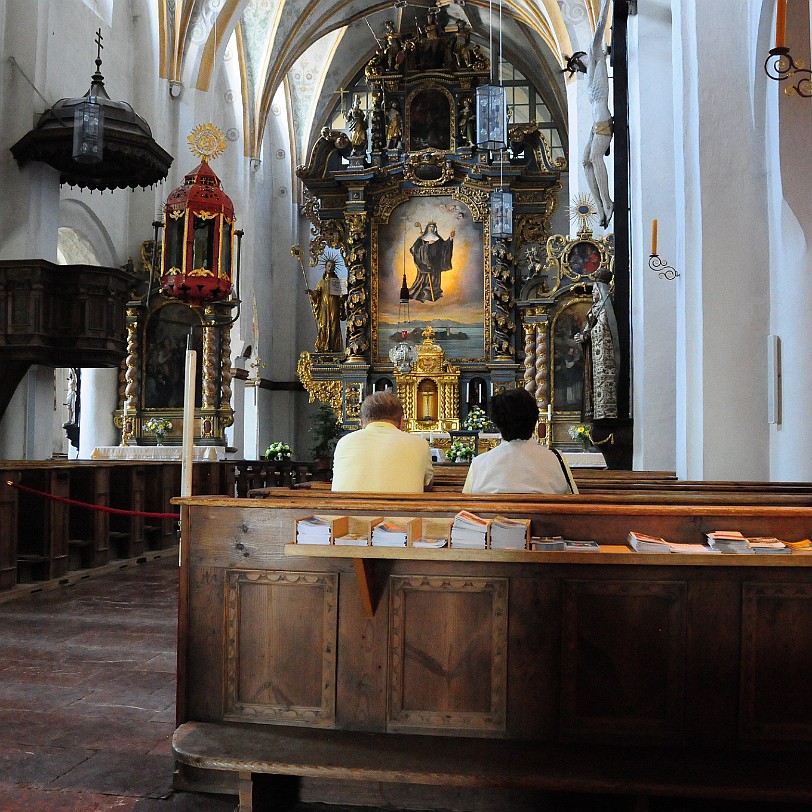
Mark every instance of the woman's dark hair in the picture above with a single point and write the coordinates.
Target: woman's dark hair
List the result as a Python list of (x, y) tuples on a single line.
[(515, 413)]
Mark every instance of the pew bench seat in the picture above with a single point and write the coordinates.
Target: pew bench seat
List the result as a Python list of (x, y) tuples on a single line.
[(250, 750)]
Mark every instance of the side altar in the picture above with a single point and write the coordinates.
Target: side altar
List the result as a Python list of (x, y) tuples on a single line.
[(412, 232)]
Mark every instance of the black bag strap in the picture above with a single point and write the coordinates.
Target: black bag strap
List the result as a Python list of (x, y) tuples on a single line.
[(566, 469)]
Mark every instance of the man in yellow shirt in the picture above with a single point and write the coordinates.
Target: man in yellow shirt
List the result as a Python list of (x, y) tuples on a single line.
[(381, 457)]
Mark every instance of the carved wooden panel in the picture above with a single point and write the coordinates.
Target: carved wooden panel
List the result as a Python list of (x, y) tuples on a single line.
[(448, 654), (776, 661), (281, 647), (623, 659)]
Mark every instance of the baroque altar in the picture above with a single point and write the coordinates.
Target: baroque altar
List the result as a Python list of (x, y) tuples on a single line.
[(401, 211)]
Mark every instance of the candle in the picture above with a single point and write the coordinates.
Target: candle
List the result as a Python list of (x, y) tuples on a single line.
[(780, 23), (653, 237), (549, 412)]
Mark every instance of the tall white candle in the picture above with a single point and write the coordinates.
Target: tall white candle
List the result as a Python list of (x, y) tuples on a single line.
[(549, 412)]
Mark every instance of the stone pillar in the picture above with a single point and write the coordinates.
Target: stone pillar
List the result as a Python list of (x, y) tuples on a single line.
[(99, 401), (721, 248)]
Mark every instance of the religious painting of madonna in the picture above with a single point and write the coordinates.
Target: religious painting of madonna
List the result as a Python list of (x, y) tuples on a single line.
[(568, 357), (436, 244), (165, 356)]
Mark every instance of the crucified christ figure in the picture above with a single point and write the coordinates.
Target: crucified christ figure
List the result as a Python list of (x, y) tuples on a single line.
[(597, 145)]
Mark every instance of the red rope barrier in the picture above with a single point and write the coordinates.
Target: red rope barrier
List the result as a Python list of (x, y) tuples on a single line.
[(88, 506)]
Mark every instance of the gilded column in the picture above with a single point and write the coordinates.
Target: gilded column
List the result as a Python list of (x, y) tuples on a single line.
[(225, 376), (210, 362), (542, 368), (530, 358), (131, 403), (502, 302), (357, 300)]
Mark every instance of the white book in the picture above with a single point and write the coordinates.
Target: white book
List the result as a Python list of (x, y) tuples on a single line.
[(352, 540)]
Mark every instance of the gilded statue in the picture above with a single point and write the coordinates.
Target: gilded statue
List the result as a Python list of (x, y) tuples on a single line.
[(329, 305)]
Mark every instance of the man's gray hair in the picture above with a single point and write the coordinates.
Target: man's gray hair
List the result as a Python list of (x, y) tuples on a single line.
[(381, 406)]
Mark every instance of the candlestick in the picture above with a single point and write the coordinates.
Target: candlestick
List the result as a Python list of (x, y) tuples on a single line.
[(653, 237), (780, 23)]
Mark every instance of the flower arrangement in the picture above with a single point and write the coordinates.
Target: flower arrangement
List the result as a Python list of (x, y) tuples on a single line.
[(158, 426), (459, 452), (581, 434), (277, 451), (477, 420)]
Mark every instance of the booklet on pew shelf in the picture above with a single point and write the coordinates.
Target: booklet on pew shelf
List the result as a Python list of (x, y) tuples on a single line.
[(509, 534), (470, 531), (319, 529), (691, 549), (768, 546), (352, 540), (581, 546), (550, 544), (388, 534), (430, 543), (643, 543)]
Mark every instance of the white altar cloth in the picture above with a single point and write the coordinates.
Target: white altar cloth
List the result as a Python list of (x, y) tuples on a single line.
[(200, 453)]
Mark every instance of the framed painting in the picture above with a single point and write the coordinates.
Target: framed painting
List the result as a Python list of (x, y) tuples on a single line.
[(165, 354), (433, 247), (568, 356)]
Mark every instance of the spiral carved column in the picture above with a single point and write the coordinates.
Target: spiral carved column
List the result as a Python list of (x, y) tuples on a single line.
[(542, 369), (210, 364), (530, 358), (357, 310), (131, 363), (225, 376), (502, 303)]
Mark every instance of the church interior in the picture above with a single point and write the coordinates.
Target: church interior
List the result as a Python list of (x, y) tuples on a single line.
[(227, 222)]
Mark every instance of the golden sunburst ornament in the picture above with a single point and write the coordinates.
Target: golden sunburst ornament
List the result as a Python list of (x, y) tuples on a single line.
[(584, 211), (207, 142)]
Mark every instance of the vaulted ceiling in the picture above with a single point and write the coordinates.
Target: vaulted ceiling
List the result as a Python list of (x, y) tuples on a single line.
[(272, 35)]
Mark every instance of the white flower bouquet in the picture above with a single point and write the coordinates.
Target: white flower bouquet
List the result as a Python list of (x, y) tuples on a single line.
[(277, 451), (477, 420), (459, 452)]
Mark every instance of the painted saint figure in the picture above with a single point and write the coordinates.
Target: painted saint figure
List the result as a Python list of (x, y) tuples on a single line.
[(601, 350), (432, 256), (394, 127), (329, 309), (600, 136)]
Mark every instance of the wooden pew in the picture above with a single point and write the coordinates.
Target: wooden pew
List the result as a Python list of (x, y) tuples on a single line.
[(611, 672)]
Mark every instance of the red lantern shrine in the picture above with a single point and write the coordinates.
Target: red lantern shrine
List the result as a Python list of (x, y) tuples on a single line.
[(199, 229)]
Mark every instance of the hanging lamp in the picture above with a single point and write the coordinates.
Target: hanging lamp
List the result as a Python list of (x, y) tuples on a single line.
[(199, 229)]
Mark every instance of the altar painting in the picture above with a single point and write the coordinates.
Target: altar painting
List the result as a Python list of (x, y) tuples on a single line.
[(436, 243), (568, 356)]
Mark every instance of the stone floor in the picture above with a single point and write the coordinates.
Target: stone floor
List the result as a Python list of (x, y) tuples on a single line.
[(87, 703)]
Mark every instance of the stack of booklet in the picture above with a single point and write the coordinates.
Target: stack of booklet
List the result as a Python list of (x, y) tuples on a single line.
[(388, 534), (768, 546), (509, 534), (470, 531), (314, 530), (643, 543), (352, 540), (729, 542)]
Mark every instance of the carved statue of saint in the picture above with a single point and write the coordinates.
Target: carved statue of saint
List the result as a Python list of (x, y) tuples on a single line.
[(597, 145), (394, 127), (467, 123), (329, 309), (432, 256), (394, 47), (601, 351), (357, 124)]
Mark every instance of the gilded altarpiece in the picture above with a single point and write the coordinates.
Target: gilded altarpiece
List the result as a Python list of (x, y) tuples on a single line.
[(554, 302), (409, 211)]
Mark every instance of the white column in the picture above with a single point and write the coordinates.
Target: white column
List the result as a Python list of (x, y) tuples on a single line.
[(723, 299), (99, 400), (651, 131), (788, 122)]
